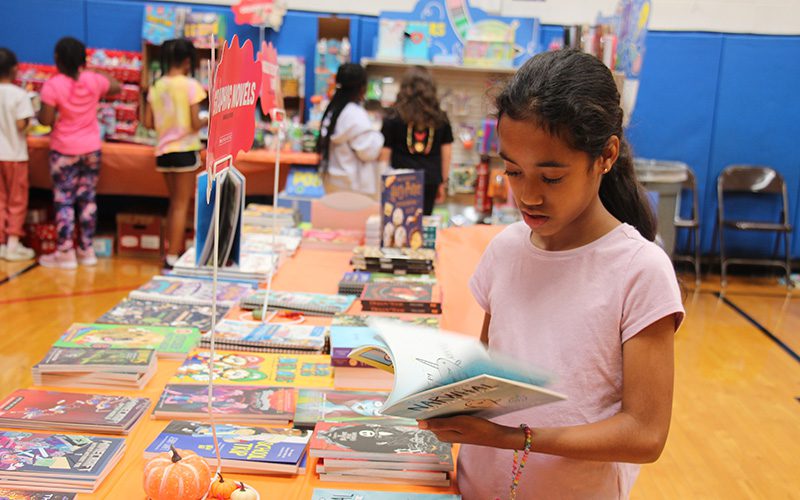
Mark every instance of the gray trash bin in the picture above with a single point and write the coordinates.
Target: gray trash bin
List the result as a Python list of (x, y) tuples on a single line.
[(665, 178)]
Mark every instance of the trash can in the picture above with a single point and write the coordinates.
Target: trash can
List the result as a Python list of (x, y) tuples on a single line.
[(664, 179)]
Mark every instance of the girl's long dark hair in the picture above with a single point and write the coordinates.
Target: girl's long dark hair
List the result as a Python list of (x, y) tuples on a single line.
[(175, 52), (573, 95), (417, 102), (351, 80), (70, 56)]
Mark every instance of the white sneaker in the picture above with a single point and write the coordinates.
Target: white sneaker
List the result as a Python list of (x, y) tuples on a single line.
[(18, 253), (59, 260), (87, 257), (2, 251)]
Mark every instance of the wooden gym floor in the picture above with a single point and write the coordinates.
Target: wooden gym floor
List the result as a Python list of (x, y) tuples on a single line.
[(736, 420)]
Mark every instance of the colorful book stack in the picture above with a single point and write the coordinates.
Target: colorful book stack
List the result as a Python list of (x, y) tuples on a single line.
[(372, 236), (57, 462), (252, 267), (318, 304), (256, 214), (244, 450), (329, 494), (191, 291), (393, 260), (340, 406), (380, 452), (235, 403), (256, 336), (169, 343), (353, 282), (153, 313), (71, 412), (408, 297), (95, 368)]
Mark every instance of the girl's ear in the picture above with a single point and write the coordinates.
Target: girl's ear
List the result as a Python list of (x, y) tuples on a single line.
[(610, 154)]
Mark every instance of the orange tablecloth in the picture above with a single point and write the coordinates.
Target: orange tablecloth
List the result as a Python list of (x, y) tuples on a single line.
[(316, 271), (130, 169)]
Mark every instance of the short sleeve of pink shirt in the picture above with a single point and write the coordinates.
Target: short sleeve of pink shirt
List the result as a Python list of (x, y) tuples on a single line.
[(567, 313)]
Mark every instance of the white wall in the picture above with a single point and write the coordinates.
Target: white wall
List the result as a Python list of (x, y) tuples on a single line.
[(774, 17)]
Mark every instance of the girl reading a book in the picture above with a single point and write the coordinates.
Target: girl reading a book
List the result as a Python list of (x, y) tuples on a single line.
[(579, 289), (174, 110)]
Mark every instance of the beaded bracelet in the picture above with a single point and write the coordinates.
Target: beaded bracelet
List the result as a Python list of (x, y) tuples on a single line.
[(518, 465)]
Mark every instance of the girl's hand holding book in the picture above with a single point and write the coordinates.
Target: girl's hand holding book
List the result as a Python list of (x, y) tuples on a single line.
[(473, 430)]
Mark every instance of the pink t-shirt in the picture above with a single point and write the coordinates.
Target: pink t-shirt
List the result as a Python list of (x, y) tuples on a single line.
[(568, 313), (76, 130)]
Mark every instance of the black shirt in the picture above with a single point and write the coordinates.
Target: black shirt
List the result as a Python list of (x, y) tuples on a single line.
[(415, 149)]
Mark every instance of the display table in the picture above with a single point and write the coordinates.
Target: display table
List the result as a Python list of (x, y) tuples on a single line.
[(313, 271), (130, 169)]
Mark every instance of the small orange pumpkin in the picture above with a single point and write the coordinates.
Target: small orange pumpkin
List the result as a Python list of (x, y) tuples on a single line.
[(243, 493), (170, 476), (221, 489)]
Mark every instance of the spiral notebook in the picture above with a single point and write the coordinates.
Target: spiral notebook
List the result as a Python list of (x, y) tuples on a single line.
[(191, 291), (310, 303), (239, 335)]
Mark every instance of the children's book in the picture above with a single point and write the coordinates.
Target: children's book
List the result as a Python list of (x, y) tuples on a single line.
[(361, 320), (6, 494), (391, 38), (401, 199), (441, 374), (231, 205), (407, 297), (333, 494), (154, 313), (243, 369), (259, 335), (309, 303), (162, 23), (338, 406), (191, 291), (89, 359), (47, 460), (345, 339), (235, 403), (384, 441), (242, 448), (51, 410), (171, 343)]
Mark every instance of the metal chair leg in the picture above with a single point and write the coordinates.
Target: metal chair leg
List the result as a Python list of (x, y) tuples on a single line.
[(788, 265), (696, 235)]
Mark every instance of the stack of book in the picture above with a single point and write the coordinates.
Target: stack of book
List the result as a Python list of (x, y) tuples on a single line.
[(380, 452), (332, 239), (98, 368), (169, 343), (256, 336), (372, 238), (57, 462), (275, 405), (177, 290), (318, 304), (256, 214), (408, 297), (315, 405), (393, 260), (330, 494), (251, 267), (353, 282), (244, 450), (154, 313), (67, 411)]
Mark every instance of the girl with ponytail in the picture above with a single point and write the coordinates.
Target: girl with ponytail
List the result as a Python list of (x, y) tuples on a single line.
[(579, 289), (349, 145)]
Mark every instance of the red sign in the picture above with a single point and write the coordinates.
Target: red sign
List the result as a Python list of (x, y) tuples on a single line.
[(271, 96), (232, 104), (254, 12)]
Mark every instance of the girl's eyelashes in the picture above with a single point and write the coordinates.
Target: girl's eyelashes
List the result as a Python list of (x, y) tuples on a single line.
[(512, 173), (550, 180)]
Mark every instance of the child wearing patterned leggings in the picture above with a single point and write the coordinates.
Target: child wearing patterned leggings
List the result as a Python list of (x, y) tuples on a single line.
[(69, 104)]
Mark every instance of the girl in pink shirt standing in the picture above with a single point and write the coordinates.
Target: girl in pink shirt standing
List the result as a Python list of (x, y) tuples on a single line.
[(579, 289), (69, 105)]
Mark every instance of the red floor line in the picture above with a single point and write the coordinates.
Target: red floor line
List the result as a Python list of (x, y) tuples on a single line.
[(67, 295)]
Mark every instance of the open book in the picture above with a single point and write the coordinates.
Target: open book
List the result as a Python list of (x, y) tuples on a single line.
[(440, 374)]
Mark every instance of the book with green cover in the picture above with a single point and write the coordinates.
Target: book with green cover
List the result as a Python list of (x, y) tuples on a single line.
[(77, 359), (154, 313), (168, 342)]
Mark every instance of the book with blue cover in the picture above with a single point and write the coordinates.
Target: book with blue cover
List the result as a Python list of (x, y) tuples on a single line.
[(402, 207), (243, 449), (256, 335), (191, 291)]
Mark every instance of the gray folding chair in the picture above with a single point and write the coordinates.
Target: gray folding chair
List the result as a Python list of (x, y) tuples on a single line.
[(756, 180), (692, 224)]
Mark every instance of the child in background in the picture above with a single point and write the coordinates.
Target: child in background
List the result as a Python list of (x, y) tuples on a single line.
[(349, 145), (579, 289), (174, 111), (418, 134), (69, 105), (15, 113)]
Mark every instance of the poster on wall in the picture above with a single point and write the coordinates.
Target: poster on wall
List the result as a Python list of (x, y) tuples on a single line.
[(453, 24), (266, 13)]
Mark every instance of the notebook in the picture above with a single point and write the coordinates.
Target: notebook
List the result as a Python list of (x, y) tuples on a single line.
[(309, 303), (192, 291), (247, 335)]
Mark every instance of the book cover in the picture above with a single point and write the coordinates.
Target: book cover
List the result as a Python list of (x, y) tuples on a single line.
[(191, 291), (56, 455), (53, 407), (236, 442), (401, 199), (162, 23), (335, 494), (165, 340), (256, 333), (338, 406), (89, 359), (361, 320), (276, 403), (301, 301), (378, 440), (402, 293), (154, 313), (345, 339), (391, 37), (243, 369), (6, 494), (304, 182)]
